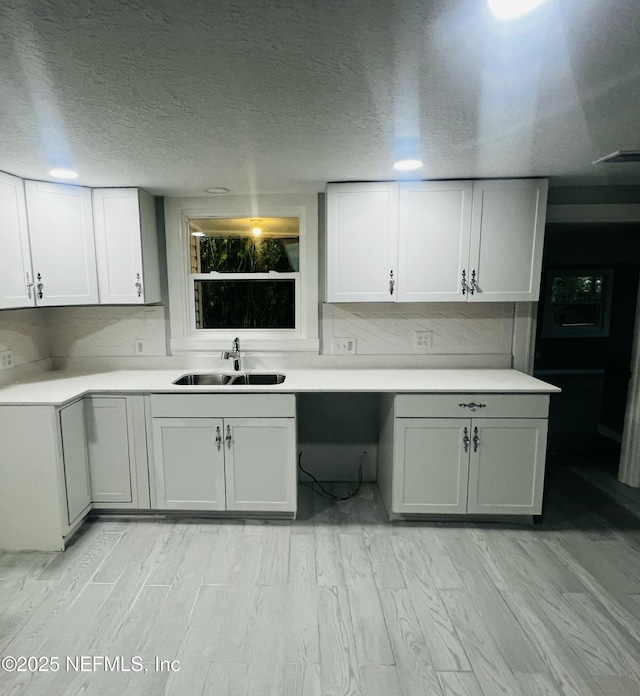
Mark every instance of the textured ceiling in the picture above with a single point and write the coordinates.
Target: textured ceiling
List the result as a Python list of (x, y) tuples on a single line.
[(285, 95)]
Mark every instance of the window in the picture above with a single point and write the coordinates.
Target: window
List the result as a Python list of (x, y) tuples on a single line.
[(225, 281), (577, 303), (244, 272)]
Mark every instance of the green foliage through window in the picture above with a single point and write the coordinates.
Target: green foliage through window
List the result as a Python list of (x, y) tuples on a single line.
[(246, 255)]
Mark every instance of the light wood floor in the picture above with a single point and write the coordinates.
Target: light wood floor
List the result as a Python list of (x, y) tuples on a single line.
[(339, 602)]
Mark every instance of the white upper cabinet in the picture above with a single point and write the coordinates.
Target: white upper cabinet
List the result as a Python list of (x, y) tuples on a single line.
[(362, 227), (16, 276), (433, 240), (507, 232), (62, 244), (126, 246)]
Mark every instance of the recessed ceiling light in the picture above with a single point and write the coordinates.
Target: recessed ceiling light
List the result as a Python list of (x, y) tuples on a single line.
[(218, 190), (408, 165), (63, 173), (620, 156), (512, 9)]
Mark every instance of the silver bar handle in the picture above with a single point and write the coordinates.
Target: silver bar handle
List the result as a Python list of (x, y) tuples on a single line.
[(463, 283), (218, 437), (228, 436), (472, 406), (40, 286), (476, 439), (466, 440), (473, 285), (138, 285), (392, 282)]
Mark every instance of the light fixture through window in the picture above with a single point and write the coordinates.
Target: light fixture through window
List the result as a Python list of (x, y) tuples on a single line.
[(408, 165), (512, 9), (62, 173), (198, 234), (256, 229)]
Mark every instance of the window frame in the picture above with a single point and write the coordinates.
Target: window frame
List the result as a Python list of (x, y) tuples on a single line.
[(185, 337), (600, 330)]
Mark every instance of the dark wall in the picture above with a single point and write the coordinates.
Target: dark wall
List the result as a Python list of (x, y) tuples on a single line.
[(614, 246)]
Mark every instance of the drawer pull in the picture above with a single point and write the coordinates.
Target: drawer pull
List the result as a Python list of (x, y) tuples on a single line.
[(472, 406), (466, 440)]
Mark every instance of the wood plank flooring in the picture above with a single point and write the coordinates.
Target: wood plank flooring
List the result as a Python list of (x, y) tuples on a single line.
[(337, 603)]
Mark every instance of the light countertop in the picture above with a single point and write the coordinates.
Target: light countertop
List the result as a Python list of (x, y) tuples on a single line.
[(57, 387)]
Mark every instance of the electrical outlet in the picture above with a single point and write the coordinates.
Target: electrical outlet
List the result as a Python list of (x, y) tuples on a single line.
[(422, 340), (6, 359), (140, 346), (345, 345)]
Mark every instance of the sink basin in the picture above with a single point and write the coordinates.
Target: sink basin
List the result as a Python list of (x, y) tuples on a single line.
[(216, 379), (254, 378), (207, 379)]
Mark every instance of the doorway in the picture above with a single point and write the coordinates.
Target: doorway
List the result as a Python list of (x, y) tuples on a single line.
[(584, 339)]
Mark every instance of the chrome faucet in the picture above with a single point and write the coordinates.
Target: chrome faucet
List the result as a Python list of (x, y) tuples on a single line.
[(233, 353)]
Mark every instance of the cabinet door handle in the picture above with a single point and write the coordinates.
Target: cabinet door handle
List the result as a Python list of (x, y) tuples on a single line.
[(392, 282), (463, 283), (30, 284), (476, 439), (472, 406), (40, 286), (466, 440), (473, 285), (218, 437), (228, 436), (138, 285)]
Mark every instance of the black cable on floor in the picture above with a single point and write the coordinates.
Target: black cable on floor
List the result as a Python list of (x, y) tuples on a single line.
[(323, 491)]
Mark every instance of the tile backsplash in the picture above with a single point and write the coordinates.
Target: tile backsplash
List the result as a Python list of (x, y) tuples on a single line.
[(25, 332), (51, 332), (106, 331), (389, 329)]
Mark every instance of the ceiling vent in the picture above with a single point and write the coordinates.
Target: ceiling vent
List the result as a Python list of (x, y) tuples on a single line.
[(621, 156)]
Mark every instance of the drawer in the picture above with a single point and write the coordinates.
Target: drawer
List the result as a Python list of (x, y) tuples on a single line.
[(223, 405), (462, 405)]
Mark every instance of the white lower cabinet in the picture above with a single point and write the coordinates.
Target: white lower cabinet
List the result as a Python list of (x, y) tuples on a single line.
[(506, 466), (74, 457), (454, 465), (433, 466), (116, 449), (204, 461)]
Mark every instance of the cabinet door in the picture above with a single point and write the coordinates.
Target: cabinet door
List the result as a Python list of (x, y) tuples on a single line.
[(125, 227), (189, 463), (16, 277), (507, 230), (108, 449), (74, 454), (362, 226), (62, 244), (506, 469), (260, 457), (431, 465), (434, 232)]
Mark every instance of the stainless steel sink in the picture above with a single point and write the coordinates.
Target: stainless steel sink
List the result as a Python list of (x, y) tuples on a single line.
[(254, 378), (207, 379), (216, 379)]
